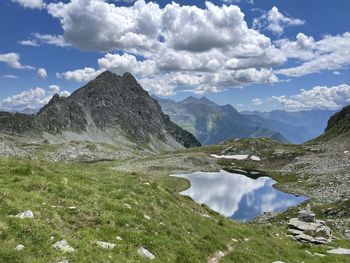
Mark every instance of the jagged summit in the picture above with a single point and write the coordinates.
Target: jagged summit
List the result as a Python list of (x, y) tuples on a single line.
[(110, 108)]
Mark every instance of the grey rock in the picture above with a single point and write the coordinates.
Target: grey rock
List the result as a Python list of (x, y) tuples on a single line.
[(143, 252), (339, 251), (105, 245), (20, 247), (25, 214), (63, 246)]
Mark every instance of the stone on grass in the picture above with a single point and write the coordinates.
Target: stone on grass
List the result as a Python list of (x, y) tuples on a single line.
[(127, 206), (25, 214), (339, 251), (105, 245), (143, 252), (20, 247), (147, 217), (119, 238), (347, 234), (63, 246), (307, 215)]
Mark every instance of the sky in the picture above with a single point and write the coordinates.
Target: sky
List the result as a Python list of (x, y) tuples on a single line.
[(253, 54)]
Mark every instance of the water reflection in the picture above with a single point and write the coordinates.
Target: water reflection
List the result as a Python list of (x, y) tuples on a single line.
[(237, 196)]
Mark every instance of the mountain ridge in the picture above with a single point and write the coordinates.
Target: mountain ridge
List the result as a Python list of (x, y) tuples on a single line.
[(110, 108)]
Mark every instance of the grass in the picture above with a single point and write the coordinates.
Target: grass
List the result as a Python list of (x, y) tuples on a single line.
[(176, 232)]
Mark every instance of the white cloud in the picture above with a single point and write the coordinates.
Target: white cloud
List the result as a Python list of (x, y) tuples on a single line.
[(319, 97), (79, 75), (12, 60), (56, 40), (9, 76), (329, 53), (42, 73), (257, 101), (336, 73), (32, 4), (127, 63), (32, 99), (28, 42), (275, 22), (238, 1)]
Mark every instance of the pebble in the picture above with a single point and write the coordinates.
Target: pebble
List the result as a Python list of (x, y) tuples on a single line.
[(25, 214), (20, 247), (105, 245)]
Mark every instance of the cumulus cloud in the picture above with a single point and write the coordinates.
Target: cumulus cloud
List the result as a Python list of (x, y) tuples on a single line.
[(31, 99), (56, 40), (79, 75), (127, 63), (13, 61), (275, 22), (42, 73), (319, 97), (257, 101), (32, 4), (166, 46), (329, 53)]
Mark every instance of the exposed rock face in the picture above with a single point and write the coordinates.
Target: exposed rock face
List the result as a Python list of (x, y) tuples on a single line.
[(110, 108)]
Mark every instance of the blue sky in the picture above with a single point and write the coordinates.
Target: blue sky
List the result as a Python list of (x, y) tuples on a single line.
[(263, 55)]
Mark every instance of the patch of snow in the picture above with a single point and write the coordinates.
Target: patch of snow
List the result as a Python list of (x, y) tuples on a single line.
[(235, 157)]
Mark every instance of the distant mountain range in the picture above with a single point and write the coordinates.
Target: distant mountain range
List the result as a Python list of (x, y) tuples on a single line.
[(111, 108), (296, 127), (212, 123)]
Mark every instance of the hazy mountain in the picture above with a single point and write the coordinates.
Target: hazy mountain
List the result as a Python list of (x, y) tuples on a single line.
[(110, 108), (212, 123), (296, 127)]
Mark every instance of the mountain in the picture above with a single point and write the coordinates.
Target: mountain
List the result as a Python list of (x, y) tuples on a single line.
[(296, 127), (338, 125), (211, 123), (111, 108)]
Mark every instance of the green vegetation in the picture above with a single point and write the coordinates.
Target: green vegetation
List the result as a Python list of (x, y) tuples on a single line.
[(177, 231)]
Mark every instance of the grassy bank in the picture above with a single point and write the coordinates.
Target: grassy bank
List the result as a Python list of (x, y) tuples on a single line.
[(84, 203)]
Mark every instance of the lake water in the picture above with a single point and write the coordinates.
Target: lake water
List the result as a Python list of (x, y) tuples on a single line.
[(238, 196)]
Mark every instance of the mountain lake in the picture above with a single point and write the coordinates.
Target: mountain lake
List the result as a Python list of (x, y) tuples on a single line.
[(238, 196)]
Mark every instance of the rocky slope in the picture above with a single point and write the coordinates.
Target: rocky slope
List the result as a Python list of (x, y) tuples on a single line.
[(212, 123), (111, 108)]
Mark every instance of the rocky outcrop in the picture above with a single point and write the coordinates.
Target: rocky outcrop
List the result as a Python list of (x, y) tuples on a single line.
[(110, 108), (307, 229)]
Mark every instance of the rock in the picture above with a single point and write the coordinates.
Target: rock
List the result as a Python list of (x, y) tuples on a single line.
[(339, 251), (147, 217), (295, 232), (278, 262), (307, 215), (234, 240), (305, 238), (127, 206), (20, 247), (105, 245), (255, 158), (323, 231), (347, 234), (308, 252), (25, 214), (119, 238), (319, 254), (301, 225), (143, 252), (63, 246)]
